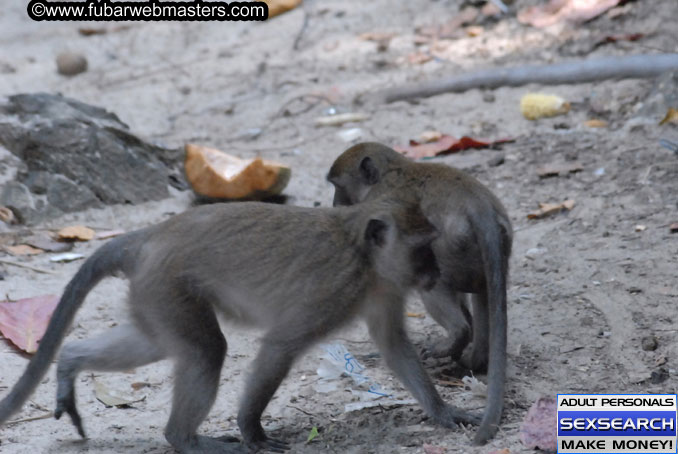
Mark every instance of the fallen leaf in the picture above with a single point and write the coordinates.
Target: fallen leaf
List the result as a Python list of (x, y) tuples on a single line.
[(500, 451), (538, 430), (595, 123), (66, 257), (76, 233), (416, 315), (547, 209), (86, 31), (276, 7), (112, 398), (24, 321), (431, 449), (671, 117), (444, 145), (340, 119), (312, 434), (23, 249), (46, 243), (553, 170), (453, 27), (574, 11), (106, 234)]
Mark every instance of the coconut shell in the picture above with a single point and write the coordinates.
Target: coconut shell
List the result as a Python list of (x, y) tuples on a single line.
[(213, 173)]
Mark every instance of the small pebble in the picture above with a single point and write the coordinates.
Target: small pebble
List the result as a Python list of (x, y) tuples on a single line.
[(488, 97), (70, 63), (649, 343)]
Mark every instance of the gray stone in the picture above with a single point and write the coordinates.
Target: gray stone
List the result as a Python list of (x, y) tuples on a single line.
[(82, 156), (18, 198)]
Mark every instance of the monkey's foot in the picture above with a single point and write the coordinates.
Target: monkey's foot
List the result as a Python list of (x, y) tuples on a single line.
[(445, 348), (201, 444), (268, 444), (475, 360), (66, 403), (450, 416), (484, 434)]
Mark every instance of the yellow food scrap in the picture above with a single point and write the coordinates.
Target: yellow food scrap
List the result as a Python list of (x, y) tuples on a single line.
[(539, 105)]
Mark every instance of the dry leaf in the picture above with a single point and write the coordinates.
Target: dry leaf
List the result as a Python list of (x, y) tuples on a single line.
[(276, 7), (76, 233), (340, 119), (575, 11), (552, 170), (547, 209), (106, 234), (112, 398), (595, 123), (416, 315), (23, 249), (431, 449), (24, 321), (539, 426), (213, 173), (671, 117), (444, 145)]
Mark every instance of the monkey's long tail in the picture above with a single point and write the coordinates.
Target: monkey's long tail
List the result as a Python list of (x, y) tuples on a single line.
[(106, 260), (495, 262)]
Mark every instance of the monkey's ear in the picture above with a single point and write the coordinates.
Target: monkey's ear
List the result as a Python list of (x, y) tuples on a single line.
[(369, 171), (376, 231)]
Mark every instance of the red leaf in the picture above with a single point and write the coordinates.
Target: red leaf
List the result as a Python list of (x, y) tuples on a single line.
[(445, 145), (24, 321)]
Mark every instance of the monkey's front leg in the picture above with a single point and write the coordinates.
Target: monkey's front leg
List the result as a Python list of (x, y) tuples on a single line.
[(385, 319), (272, 364)]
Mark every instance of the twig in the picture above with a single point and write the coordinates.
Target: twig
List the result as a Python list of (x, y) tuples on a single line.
[(302, 30), (33, 268), (628, 67), (302, 410), (34, 418)]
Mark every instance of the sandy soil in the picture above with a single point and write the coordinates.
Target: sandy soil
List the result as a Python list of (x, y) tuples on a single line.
[(586, 286)]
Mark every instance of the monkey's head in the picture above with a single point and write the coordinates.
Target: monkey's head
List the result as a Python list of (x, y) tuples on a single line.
[(399, 241), (358, 171)]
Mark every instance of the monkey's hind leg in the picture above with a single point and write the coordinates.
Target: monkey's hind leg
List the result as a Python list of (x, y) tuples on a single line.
[(448, 308), (124, 347), (478, 358), (193, 337)]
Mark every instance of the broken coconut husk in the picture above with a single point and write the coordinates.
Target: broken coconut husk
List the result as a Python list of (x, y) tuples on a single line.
[(213, 173)]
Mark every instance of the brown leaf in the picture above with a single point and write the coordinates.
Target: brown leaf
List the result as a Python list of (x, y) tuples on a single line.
[(539, 426), (446, 144), (23, 249), (553, 170), (76, 233), (671, 117), (547, 209), (595, 123), (575, 11), (24, 321), (416, 315), (140, 385)]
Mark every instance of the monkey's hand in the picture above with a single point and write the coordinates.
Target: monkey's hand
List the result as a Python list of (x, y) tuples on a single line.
[(450, 416)]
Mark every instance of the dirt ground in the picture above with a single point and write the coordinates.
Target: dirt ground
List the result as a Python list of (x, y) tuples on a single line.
[(586, 285)]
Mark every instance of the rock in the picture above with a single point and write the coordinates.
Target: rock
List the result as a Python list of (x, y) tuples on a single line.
[(70, 63), (649, 343), (17, 198), (82, 156), (659, 376)]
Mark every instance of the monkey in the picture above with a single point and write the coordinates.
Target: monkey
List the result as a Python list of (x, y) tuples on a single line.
[(297, 273), (472, 250)]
